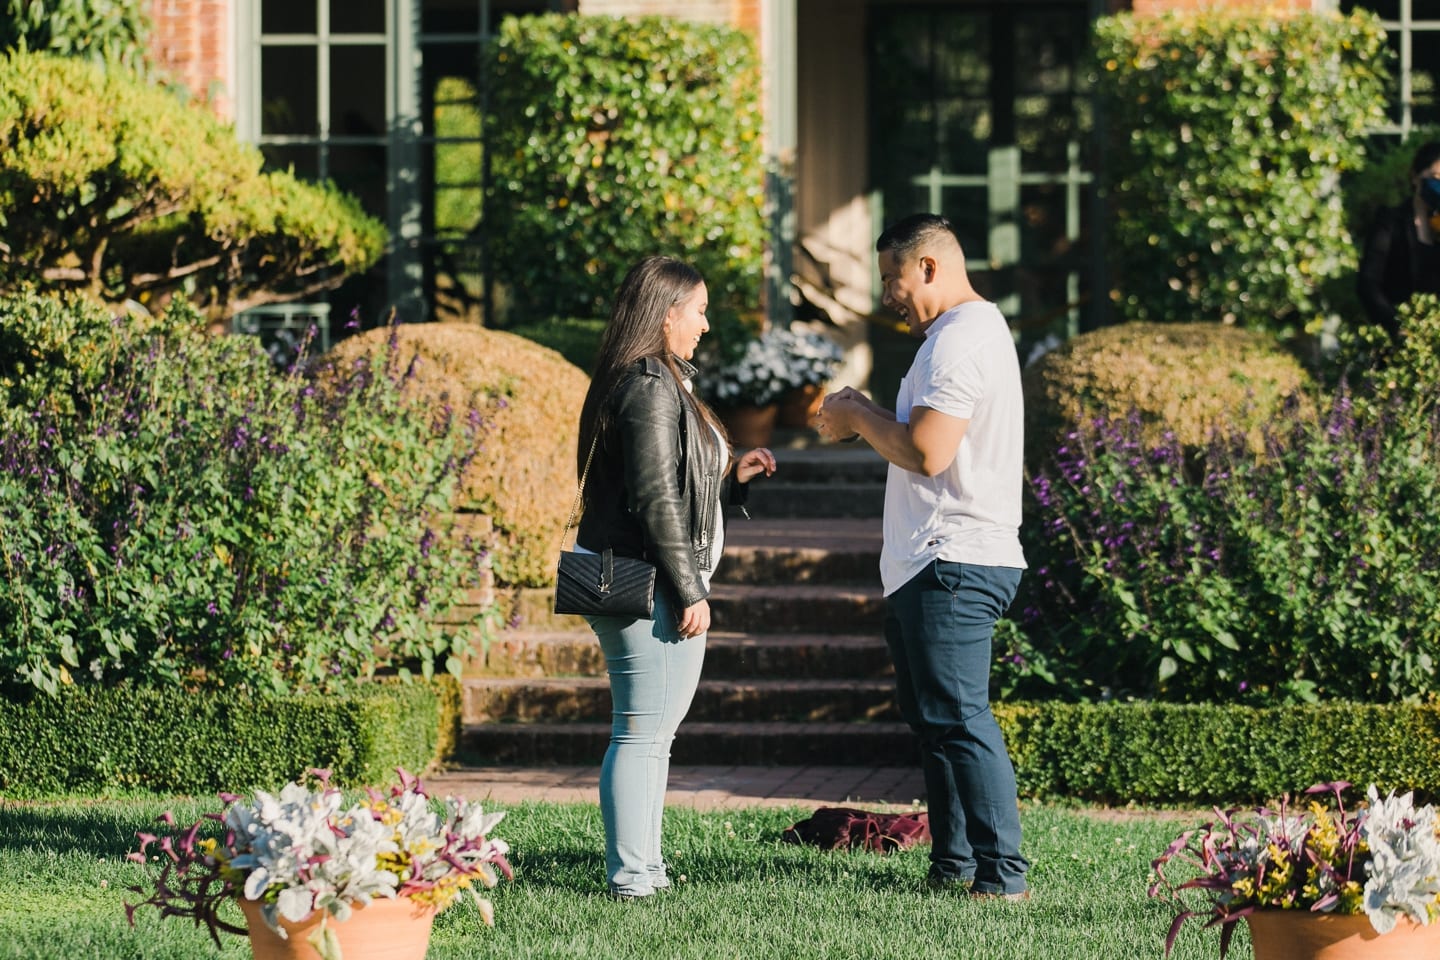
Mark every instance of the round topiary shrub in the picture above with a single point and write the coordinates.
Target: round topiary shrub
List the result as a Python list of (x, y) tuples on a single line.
[(1186, 379), (524, 475)]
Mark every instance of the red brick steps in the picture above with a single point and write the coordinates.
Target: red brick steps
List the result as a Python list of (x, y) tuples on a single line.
[(796, 671)]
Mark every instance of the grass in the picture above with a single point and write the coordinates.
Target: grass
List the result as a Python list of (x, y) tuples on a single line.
[(63, 880)]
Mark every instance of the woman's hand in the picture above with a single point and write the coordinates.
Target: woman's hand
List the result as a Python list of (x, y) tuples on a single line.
[(695, 620), (752, 463)]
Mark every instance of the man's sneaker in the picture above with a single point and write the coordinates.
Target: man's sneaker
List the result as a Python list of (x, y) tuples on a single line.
[(940, 883), (1022, 895)]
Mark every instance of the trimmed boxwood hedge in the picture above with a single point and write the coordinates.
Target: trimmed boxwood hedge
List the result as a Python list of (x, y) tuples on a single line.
[(611, 139), (112, 186), (1230, 131), (1152, 753), (103, 742), (91, 741)]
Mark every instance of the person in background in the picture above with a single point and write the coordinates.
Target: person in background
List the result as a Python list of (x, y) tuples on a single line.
[(1401, 254), (662, 469), (950, 558)]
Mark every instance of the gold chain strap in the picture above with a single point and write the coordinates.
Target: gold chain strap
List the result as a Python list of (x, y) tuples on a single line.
[(580, 492)]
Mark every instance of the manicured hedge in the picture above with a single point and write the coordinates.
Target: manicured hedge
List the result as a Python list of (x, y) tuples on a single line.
[(1230, 132), (612, 139), (92, 740), (113, 186), (1153, 753)]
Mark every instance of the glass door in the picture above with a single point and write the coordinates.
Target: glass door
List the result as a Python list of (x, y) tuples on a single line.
[(980, 112)]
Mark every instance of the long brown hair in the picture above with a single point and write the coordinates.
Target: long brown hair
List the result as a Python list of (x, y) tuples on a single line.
[(636, 329)]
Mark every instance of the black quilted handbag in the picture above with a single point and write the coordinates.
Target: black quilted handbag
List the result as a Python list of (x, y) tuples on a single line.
[(601, 584)]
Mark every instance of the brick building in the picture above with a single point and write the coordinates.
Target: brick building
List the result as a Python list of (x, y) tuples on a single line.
[(976, 108)]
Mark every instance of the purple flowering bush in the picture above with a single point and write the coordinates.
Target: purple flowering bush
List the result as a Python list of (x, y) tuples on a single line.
[(1301, 571), (174, 510)]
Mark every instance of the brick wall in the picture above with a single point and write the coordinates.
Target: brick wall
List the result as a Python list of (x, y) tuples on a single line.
[(745, 14), (192, 41)]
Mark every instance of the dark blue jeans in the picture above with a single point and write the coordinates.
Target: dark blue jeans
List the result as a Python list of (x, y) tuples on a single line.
[(939, 628)]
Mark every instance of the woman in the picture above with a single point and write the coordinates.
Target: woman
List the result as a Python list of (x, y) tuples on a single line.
[(660, 471), (1401, 254)]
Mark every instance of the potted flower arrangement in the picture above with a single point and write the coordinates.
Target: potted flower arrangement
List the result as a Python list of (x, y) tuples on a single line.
[(304, 866), (1316, 881), (780, 361)]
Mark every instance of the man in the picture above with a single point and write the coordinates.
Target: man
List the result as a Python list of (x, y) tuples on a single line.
[(951, 558)]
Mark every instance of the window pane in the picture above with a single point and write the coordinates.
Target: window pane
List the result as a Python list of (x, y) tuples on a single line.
[(288, 16), (288, 81), (458, 282), (357, 91), (1385, 9), (965, 130), (962, 55), (303, 161), (361, 171), (901, 53), (1422, 9), (457, 211), (968, 209), (1423, 77), (450, 16), (1044, 129), (357, 16), (1052, 45)]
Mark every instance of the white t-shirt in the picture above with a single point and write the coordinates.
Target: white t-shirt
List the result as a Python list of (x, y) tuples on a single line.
[(970, 512)]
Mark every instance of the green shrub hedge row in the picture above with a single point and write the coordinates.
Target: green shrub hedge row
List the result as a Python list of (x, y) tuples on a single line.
[(91, 741), (1153, 753), (612, 139), (1236, 213), (575, 339)]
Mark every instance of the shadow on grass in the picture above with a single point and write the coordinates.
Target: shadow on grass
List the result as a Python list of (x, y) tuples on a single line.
[(100, 830)]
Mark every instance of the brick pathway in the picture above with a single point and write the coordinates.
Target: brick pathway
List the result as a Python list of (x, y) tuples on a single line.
[(704, 788)]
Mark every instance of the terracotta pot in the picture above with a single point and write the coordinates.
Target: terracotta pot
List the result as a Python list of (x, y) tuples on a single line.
[(749, 426), (1302, 935), (385, 930), (799, 406)]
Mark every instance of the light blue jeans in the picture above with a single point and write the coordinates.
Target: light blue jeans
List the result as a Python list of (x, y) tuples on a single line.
[(653, 676)]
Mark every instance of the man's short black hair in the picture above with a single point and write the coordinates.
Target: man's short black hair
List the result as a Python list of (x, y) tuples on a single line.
[(905, 237)]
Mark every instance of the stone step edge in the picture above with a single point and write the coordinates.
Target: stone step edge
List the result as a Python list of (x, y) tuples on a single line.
[(762, 728), (882, 684), (724, 638)]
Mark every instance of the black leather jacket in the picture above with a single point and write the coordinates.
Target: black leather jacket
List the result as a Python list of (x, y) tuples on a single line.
[(655, 480), (1395, 265)]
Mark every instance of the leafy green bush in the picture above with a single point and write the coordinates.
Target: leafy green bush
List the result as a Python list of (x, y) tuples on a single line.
[(1178, 754), (97, 740), (574, 339), (613, 139), (1185, 380), (181, 513), (1306, 571), (1232, 130), (105, 30), (112, 186)]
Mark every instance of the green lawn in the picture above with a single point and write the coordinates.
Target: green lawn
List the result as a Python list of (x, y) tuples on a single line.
[(63, 880)]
